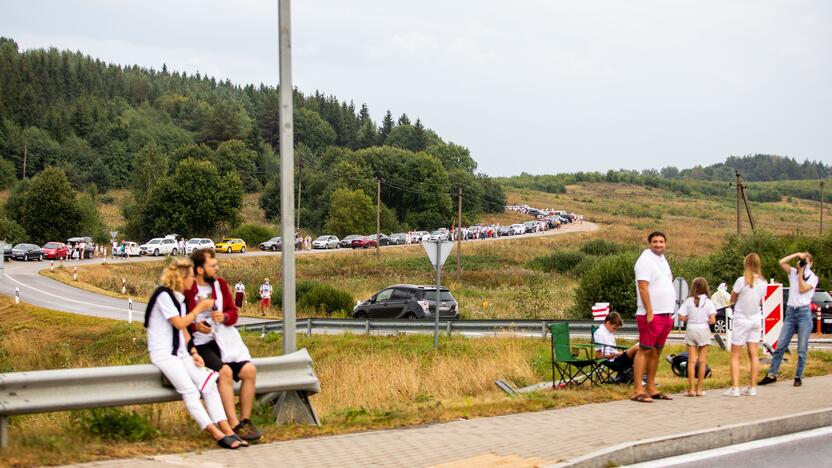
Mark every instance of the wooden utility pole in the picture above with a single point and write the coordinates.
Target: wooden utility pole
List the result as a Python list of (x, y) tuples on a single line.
[(821, 207), (739, 226), (459, 236), (378, 217), (747, 208)]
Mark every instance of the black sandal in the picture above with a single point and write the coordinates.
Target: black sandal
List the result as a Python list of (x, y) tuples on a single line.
[(227, 442), (243, 443)]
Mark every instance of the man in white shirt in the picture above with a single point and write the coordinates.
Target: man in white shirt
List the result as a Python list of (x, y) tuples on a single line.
[(265, 296), (798, 316), (654, 316)]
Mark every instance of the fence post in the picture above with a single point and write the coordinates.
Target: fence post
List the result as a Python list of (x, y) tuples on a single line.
[(543, 329), (4, 432), (449, 328), (263, 331), (367, 327), (309, 326), (124, 286), (129, 310), (17, 295), (74, 273), (51, 265)]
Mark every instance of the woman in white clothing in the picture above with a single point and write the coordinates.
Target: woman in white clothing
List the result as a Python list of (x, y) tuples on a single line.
[(746, 327), (167, 343), (698, 313)]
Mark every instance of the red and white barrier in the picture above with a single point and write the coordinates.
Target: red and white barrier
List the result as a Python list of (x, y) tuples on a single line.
[(772, 314), (600, 311)]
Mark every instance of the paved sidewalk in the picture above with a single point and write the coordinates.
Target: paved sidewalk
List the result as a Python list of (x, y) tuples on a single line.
[(528, 439)]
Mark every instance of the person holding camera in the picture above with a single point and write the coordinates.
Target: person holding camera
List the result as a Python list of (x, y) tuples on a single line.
[(798, 318)]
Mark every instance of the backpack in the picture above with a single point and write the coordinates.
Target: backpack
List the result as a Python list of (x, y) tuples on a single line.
[(679, 365)]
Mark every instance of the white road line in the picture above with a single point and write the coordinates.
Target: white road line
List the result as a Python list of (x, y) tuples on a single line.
[(64, 298), (734, 449)]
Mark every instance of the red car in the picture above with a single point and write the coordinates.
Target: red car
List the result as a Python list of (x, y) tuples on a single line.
[(55, 250), (363, 243)]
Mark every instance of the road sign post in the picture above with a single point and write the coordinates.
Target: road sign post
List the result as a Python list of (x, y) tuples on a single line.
[(2, 259), (437, 253), (680, 286)]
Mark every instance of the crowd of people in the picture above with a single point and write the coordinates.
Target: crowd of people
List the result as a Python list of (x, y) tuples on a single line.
[(654, 319)]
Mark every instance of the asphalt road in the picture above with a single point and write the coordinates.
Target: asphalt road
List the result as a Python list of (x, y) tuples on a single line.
[(45, 292), (802, 449)]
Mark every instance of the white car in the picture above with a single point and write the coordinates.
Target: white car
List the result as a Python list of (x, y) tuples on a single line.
[(131, 249), (517, 229), (325, 242), (159, 246), (198, 243)]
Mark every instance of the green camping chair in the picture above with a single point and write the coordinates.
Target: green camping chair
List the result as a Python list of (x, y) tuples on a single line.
[(575, 364)]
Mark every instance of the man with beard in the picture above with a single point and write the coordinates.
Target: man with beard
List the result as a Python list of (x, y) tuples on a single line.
[(209, 285)]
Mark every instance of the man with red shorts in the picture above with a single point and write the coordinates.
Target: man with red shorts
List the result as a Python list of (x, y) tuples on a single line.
[(265, 296), (654, 316)]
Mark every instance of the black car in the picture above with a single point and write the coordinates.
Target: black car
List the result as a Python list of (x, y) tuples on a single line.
[(7, 251), (821, 304), (346, 243), (408, 301), (27, 252), (384, 239), (89, 250)]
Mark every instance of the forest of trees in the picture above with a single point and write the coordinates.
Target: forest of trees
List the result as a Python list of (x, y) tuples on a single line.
[(106, 126)]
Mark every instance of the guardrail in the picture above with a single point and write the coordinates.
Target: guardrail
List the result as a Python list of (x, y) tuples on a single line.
[(98, 387), (449, 326)]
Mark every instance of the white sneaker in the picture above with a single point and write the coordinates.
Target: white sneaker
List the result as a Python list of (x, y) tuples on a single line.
[(749, 391), (733, 391)]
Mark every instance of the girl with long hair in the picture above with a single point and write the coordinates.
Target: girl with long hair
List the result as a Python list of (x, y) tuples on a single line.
[(698, 313), (746, 330)]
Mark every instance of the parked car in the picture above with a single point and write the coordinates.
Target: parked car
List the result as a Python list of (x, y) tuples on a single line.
[(505, 231), (7, 251), (55, 250), (384, 239), (534, 212), (198, 243), (231, 245), (518, 229), (821, 304), (439, 236), (398, 238), (408, 301), (274, 244), (27, 252), (325, 242), (346, 242), (159, 246), (89, 250), (530, 226), (363, 242), (420, 236), (131, 249)]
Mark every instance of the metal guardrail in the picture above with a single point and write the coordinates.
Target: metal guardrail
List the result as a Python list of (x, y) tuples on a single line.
[(392, 325), (99, 387)]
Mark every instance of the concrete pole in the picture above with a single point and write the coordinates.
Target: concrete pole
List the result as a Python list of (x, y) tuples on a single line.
[(438, 285), (821, 207), (378, 217), (287, 173), (739, 227), (459, 237)]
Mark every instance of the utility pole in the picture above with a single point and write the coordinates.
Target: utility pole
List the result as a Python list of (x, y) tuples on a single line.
[(300, 182), (25, 156), (378, 217), (747, 207), (459, 236), (739, 227), (821, 207), (287, 173)]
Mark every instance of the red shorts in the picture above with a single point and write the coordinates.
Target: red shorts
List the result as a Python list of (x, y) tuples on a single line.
[(654, 334), (267, 302)]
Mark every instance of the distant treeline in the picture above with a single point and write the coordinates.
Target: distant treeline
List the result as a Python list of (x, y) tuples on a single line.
[(129, 127), (770, 178)]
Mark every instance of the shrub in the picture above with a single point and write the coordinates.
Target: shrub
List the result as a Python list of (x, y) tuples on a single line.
[(611, 279), (584, 265), (561, 261), (11, 232), (601, 247), (315, 297), (118, 424), (253, 234)]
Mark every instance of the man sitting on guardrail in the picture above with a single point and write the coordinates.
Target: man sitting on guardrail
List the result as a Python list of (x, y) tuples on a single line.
[(208, 284)]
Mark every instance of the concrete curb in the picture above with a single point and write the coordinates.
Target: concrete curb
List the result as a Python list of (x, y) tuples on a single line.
[(697, 441)]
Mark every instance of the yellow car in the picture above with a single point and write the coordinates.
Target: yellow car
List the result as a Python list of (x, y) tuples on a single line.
[(231, 245)]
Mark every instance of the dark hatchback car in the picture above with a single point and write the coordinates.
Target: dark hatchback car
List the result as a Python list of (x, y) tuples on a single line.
[(273, 244), (408, 301), (384, 239), (27, 252), (821, 304)]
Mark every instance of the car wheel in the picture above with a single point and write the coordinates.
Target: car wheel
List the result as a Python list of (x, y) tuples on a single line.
[(156, 252), (361, 314), (274, 248), (173, 252), (40, 257), (243, 250), (719, 326), (25, 257), (410, 316), (229, 250)]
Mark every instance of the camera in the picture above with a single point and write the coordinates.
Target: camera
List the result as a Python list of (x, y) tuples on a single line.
[(802, 262)]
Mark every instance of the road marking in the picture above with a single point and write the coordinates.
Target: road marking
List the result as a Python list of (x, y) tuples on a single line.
[(64, 298), (734, 449)]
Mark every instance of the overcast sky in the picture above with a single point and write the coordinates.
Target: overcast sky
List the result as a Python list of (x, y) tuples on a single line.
[(537, 86)]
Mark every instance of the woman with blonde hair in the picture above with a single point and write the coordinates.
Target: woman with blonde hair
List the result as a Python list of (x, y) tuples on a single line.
[(698, 312), (167, 344), (747, 297)]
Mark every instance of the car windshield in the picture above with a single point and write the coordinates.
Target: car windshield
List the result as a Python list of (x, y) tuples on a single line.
[(351, 237), (154, 241), (50, 245), (193, 241), (821, 296), (274, 239), (323, 238), (437, 233), (398, 234)]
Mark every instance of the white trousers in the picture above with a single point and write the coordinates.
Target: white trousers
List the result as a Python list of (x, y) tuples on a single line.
[(191, 381)]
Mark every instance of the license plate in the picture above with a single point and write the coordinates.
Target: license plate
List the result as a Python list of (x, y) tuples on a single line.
[(827, 320)]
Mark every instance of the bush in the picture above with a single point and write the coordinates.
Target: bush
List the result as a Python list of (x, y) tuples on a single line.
[(118, 424), (11, 232), (584, 265), (315, 297), (253, 234), (611, 279), (561, 261), (601, 247)]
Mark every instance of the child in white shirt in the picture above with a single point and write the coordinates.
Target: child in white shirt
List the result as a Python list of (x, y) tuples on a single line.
[(698, 313)]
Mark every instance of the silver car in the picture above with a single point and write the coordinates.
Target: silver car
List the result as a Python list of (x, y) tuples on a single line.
[(325, 242)]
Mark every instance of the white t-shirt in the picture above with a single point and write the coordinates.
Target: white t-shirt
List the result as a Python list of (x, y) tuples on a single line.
[(796, 298), (160, 331), (749, 299), (240, 287), (604, 341), (697, 315), (265, 291), (206, 291), (655, 270)]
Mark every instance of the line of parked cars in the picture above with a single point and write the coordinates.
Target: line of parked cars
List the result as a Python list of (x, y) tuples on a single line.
[(52, 250)]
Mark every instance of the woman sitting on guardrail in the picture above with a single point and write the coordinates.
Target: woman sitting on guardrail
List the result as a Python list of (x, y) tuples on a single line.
[(167, 343)]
